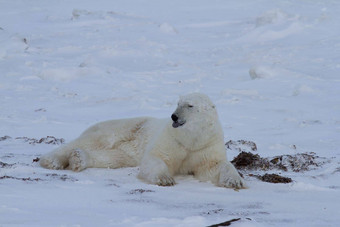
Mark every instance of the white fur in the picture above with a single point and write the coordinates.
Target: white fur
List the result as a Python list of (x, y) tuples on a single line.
[(161, 150)]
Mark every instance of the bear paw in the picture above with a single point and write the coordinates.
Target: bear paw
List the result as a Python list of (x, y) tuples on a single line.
[(233, 182), (230, 178), (165, 180), (77, 160)]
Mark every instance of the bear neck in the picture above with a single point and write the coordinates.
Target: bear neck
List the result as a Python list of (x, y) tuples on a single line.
[(198, 138)]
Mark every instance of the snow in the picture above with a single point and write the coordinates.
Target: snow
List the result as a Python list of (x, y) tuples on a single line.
[(271, 67)]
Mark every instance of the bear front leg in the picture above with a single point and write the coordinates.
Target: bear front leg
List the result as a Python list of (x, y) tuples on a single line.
[(155, 171), (229, 177)]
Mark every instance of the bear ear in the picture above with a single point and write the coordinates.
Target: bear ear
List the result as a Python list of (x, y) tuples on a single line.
[(213, 106)]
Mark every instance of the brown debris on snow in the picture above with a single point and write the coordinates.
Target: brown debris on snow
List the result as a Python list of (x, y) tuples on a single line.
[(62, 177), (45, 140), (5, 165), (241, 145), (274, 178), (20, 178), (5, 138), (298, 162), (36, 160), (140, 191), (248, 161)]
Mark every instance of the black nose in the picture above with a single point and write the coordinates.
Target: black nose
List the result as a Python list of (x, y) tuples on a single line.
[(174, 117)]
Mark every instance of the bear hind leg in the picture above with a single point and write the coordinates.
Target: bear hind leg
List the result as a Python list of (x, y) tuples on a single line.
[(54, 160), (65, 158), (78, 160)]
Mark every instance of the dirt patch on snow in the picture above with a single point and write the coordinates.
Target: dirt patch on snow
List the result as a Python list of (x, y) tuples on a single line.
[(36, 160), (20, 178), (62, 177), (140, 191), (5, 165), (274, 178), (241, 145), (296, 163), (45, 140), (2, 138), (247, 162)]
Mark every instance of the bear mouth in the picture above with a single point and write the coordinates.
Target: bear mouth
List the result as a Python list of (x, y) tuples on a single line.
[(177, 124)]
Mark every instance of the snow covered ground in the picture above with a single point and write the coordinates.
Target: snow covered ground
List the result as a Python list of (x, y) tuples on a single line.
[(271, 67)]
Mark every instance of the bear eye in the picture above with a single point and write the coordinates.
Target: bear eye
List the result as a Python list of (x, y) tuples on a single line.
[(190, 106)]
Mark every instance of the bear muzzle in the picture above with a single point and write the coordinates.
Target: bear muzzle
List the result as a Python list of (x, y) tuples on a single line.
[(176, 121)]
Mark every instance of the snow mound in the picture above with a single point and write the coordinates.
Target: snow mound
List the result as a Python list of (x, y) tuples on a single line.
[(271, 26), (261, 72), (274, 16), (167, 28)]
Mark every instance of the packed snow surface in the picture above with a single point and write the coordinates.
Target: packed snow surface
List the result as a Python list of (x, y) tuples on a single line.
[(271, 67)]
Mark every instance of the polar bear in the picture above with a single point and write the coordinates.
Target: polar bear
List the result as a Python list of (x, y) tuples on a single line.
[(192, 142)]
